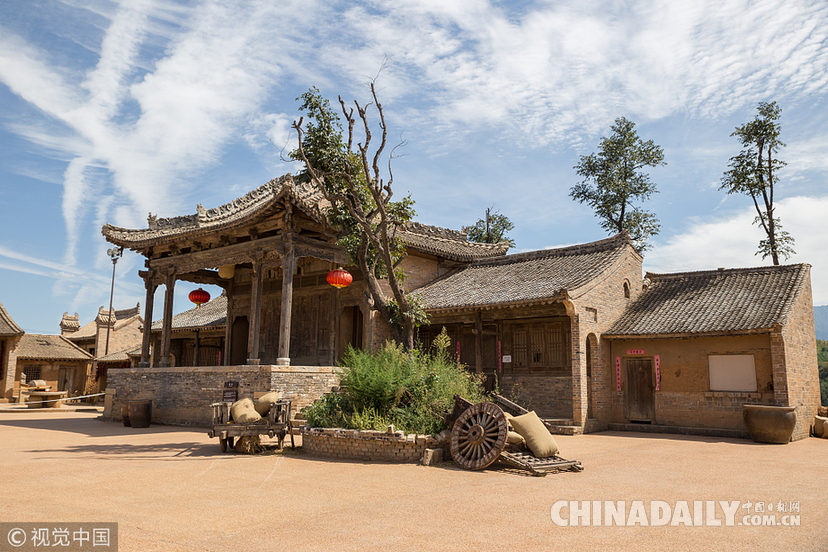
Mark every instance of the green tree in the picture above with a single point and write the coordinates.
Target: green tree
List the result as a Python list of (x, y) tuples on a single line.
[(753, 173), (350, 177), (491, 229), (613, 181)]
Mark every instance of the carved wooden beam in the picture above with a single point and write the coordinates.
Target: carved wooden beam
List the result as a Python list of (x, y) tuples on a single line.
[(209, 277)]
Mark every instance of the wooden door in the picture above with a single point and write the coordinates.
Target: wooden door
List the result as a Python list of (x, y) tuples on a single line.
[(238, 341), (640, 393)]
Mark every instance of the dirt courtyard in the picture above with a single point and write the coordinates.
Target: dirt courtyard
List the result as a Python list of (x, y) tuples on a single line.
[(171, 489)]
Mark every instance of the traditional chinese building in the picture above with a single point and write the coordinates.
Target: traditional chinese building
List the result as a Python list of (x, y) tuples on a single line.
[(550, 326)]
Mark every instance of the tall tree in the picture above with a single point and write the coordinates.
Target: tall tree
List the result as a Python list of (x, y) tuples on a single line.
[(753, 173), (491, 229), (613, 181), (350, 177)]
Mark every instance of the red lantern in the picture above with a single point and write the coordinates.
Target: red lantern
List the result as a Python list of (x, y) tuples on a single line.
[(340, 278), (199, 297)]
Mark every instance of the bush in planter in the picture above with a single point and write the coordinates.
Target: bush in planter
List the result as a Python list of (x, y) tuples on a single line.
[(408, 389)]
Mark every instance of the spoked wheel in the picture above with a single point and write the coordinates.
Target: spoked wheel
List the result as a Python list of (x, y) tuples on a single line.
[(478, 436)]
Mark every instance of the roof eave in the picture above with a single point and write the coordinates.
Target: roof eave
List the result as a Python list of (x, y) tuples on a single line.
[(668, 335)]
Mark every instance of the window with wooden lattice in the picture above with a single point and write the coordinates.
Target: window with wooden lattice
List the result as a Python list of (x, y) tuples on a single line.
[(31, 371)]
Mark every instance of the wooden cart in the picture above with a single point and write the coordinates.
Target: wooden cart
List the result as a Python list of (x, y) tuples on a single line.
[(478, 439), (276, 424)]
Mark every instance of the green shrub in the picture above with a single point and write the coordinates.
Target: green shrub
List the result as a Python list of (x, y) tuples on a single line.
[(409, 389)]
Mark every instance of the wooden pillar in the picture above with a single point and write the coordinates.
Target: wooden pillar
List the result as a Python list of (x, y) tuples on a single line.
[(228, 328), (288, 268), (478, 342), (166, 332), (255, 313), (145, 341), (195, 352)]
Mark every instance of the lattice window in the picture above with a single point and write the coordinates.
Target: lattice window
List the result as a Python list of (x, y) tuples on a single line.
[(519, 348), (32, 372), (555, 343)]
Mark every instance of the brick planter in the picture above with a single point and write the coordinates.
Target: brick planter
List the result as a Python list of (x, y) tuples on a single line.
[(352, 444)]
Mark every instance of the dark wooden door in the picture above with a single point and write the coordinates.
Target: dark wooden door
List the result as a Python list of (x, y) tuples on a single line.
[(238, 341), (640, 395)]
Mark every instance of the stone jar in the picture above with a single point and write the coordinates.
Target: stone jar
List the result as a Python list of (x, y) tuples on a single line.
[(769, 424)]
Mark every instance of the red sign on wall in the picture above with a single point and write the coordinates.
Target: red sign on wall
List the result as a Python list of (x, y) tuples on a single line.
[(635, 351)]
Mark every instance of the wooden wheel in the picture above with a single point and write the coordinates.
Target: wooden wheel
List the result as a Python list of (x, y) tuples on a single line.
[(223, 444), (478, 436), (230, 442)]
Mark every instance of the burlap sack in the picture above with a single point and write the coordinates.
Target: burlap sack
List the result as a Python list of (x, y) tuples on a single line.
[(538, 438), (263, 403), (243, 411), (820, 427)]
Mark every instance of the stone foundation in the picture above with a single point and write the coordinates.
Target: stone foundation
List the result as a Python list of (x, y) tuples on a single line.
[(351, 444), (182, 395)]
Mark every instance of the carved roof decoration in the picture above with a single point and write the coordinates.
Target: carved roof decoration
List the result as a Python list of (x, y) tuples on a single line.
[(251, 207), (70, 323), (8, 327), (211, 315), (49, 347), (447, 243), (524, 278), (713, 301)]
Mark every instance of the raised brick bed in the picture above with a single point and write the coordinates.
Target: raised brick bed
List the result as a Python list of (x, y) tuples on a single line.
[(352, 444)]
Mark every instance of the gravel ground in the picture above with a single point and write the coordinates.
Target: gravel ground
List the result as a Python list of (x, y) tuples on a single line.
[(171, 489)]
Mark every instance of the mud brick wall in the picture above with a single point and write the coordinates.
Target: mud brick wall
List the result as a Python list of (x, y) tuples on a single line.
[(182, 395), (351, 444)]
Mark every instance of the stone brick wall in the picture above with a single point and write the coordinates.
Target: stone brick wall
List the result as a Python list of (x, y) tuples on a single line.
[(708, 409), (684, 397), (801, 368), (182, 395), (350, 444), (595, 310), (549, 396)]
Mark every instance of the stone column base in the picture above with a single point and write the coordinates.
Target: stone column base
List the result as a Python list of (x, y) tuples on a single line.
[(282, 362)]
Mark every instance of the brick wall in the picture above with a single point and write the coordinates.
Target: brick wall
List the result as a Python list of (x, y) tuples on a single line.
[(350, 444), (801, 371), (596, 309), (549, 396), (182, 395), (707, 409)]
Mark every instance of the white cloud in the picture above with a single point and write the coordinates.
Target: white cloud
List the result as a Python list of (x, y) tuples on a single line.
[(731, 243)]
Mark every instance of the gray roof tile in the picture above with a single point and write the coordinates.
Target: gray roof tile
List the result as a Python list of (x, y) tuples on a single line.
[(524, 277), (8, 327), (716, 301), (49, 347), (212, 314)]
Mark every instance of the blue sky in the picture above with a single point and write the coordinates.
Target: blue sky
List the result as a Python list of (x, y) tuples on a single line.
[(113, 110)]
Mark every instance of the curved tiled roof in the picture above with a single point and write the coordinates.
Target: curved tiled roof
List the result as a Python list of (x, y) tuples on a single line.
[(449, 244), (121, 356), (49, 347), (8, 327), (443, 242), (524, 277), (212, 314), (715, 301), (240, 211)]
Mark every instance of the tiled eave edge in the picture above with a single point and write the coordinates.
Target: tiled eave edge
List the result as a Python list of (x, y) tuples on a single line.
[(508, 305), (725, 333)]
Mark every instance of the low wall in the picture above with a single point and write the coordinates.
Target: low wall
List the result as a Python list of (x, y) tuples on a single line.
[(182, 395), (351, 444)]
